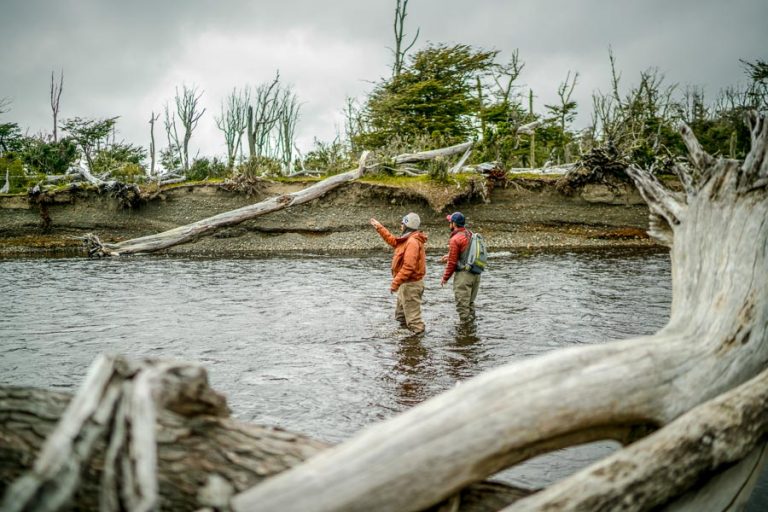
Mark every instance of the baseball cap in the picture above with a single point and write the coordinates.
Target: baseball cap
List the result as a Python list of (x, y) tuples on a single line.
[(457, 218)]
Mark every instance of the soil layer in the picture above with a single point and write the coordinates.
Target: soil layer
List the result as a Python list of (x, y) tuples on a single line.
[(525, 214)]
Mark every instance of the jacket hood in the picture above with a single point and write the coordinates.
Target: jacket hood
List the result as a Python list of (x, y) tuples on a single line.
[(420, 235)]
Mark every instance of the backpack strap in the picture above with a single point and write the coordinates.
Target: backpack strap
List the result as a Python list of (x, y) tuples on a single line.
[(462, 263)]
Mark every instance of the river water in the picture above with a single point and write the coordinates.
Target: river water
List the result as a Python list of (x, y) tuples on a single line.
[(309, 343)]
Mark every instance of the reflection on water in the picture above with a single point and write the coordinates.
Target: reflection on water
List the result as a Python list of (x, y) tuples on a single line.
[(310, 344)]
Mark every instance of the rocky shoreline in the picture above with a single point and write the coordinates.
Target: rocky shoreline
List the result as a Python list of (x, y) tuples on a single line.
[(525, 214)]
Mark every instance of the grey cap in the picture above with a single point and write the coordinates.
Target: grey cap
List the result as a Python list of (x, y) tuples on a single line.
[(412, 221)]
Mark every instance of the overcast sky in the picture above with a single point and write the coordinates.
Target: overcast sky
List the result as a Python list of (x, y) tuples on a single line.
[(125, 58)]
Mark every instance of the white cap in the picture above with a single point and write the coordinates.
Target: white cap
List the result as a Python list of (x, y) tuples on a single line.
[(412, 221)]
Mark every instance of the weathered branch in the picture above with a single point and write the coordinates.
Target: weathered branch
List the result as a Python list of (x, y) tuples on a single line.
[(654, 470), (457, 168), (664, 205), (429, 155), (756, 163)]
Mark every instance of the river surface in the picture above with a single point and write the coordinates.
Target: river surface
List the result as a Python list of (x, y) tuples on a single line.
[(309, 343)]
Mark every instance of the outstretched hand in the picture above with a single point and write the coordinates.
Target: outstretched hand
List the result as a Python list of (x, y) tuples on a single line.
[(375, 223)]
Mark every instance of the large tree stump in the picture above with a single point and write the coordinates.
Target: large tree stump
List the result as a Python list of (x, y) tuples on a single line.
[(716, 339)]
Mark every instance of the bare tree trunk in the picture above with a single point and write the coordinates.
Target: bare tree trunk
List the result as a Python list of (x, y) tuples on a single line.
[(716, 339), (401, 49), (263, 117), (152, 119), (233, 122), (55, 101)]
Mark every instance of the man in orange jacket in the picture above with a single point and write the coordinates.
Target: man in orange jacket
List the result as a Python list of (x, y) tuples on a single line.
[(409, 265)]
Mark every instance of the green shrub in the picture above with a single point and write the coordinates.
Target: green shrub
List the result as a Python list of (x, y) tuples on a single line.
[(260, 166), (204, 168), (18, 179)]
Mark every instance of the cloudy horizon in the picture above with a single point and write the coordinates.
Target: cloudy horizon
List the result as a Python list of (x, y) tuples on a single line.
[(127, 59)]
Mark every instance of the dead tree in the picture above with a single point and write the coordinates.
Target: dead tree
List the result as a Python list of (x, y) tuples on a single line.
[(233, 122), (289, 117), (189, 113), (401, 48), (55, 101), (262, 116), (152, 149), (716, 340)]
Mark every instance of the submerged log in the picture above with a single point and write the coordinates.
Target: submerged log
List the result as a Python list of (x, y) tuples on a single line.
[(716, 339)]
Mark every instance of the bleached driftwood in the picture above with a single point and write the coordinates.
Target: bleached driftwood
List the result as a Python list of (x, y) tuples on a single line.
[(529, 128), (202, 455), (432, 154), (457, 168), (153, 431), (555, 169), (715, 340), (190, 232)]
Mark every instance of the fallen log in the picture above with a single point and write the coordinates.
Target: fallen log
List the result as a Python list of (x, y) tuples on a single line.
[(409, 158), (716, 339), (191, 232)]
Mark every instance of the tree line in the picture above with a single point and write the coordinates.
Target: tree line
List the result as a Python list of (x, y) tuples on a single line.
[(439, 96)]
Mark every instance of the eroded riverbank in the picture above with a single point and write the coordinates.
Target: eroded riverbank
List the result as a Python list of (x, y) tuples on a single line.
[(525, 214)]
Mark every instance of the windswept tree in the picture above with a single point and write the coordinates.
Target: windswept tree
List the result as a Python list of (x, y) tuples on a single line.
[(758, 88), (10, 133), (563, 114), (233, 121), (433, 97)]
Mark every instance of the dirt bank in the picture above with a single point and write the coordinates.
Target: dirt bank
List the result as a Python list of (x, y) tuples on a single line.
[(524, 214)]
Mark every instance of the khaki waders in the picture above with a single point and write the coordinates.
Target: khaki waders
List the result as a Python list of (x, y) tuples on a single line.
[(465, 286), (408, 309)]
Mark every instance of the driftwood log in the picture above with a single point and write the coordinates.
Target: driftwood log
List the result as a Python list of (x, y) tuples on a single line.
[(716, 339), (191, 232), (149, 435)]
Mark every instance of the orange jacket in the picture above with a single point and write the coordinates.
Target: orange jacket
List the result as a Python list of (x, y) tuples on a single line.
[(409, 262)]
